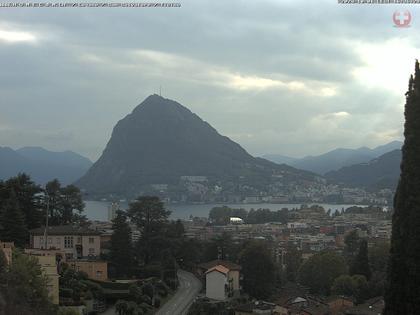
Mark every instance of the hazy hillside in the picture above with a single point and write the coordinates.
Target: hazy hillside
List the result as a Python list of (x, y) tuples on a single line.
[(42, 165), (336, 159), (382, 172)]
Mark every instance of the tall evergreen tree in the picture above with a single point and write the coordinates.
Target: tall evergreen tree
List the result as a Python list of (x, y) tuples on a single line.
[(403, 291), (12, 222), (27, 195), (360, 265), (121, 253), (258, 269), (151, 217)]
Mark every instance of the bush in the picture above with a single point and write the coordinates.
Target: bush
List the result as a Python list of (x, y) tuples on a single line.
[(157, 303)]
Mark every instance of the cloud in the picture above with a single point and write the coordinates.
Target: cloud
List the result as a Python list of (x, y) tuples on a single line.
[(290, 77), (12, 37)]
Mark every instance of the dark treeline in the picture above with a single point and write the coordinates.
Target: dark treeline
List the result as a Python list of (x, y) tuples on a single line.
[(23, 206)]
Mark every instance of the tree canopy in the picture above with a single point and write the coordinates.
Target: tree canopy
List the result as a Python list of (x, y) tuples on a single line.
[(403, 293)]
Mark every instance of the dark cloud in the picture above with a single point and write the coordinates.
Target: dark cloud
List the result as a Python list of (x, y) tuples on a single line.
[(290, 77)]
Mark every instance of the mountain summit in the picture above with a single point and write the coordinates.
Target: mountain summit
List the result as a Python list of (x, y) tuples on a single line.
[(161, 141)]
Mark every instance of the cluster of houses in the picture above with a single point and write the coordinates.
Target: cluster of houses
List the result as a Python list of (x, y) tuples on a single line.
[(78, 247), (222, 283)]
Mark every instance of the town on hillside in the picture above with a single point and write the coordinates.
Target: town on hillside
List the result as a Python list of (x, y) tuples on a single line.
[(306, 260)]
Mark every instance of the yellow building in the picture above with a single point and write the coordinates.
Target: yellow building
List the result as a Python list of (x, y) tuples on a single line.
[(95, 269), (49, 268), (7, 248)]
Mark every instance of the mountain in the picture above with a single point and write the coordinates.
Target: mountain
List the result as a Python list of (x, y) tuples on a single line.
[(338, 158), (280, 159), (382, 172), (42, 165), (161, 140)]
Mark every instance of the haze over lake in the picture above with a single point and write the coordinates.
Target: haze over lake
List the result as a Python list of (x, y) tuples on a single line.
[(98, 210)]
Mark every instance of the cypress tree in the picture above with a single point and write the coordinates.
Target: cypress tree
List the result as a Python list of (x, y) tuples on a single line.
[(360, 264), (12, 222), (121, 252), (403, 289)]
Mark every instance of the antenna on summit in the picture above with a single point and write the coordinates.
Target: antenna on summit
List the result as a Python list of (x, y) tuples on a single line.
[(160, 90)]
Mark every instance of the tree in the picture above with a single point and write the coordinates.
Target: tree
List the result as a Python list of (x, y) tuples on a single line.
[(343, 285), (121, 307), (65, 203), (320, 270), (121, 252), (24, 288), (12, 222), (352, 244), (352, 286), (27, 195), (258, 270), (293, 260), (360, 265), (150, 216), (403, 292)]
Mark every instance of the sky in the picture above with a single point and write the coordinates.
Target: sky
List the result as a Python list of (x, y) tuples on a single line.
[(291, 77)]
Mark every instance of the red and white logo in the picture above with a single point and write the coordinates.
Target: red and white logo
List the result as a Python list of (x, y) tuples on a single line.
[(402, 19)]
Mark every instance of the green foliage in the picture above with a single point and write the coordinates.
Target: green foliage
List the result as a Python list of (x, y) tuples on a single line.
[(352, 244), (258, 270), (67, 311), (27, 196), (24, 287), (65, 203), (352, 286), (403, 293), (360, 264), (320, 270), (12, 222), (150, 216), (121, 251), (293, 260)]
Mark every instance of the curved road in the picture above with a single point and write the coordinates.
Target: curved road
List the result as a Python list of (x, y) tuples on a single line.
[(189, 287)]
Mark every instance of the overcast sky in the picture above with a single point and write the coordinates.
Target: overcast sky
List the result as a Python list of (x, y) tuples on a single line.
[(287, 77)]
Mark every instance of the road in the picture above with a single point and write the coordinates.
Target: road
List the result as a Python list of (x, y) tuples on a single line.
[(189, 287)]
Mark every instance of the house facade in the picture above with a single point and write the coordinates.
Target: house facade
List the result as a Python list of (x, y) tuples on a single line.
[(221, 279), (75, 242)]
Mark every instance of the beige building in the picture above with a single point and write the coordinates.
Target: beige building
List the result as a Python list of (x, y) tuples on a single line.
[(76, 242), (49, 268), (7, 248), (96, 270)]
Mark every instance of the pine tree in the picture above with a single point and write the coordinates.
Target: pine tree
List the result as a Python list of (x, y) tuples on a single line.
[(403, 291), (360, 264), (12, 222), (121, 252)]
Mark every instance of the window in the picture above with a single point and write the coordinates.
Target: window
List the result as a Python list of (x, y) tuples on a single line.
[(98, 274), (41, 241), (79, 240), (58, 240), (50, 240), (91, 240), (91, 251), (68, 241)]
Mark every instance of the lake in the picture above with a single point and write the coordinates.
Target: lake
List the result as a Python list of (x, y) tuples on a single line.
[(98, 210)]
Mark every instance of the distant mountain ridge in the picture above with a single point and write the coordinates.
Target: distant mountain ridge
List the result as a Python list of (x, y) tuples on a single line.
[(336, 159), (382, 172), (42, 165), (161, 140)]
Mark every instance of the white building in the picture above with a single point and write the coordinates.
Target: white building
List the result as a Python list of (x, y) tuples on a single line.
[(222, 282)]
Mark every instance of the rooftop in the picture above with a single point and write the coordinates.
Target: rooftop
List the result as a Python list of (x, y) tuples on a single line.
[(64, 230), (227, 264)]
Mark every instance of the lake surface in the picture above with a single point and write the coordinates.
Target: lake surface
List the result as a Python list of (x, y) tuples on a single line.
[(98, 210)]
